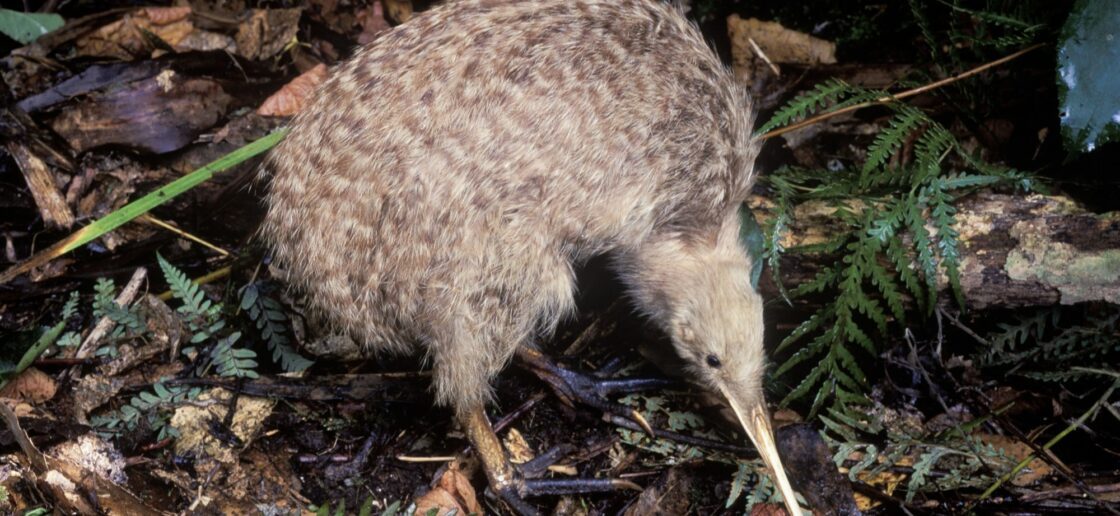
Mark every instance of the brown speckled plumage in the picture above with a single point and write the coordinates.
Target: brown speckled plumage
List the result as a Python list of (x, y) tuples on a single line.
[(438, 190)]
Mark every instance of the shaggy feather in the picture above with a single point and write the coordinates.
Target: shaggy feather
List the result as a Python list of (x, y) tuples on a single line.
[(440, 187)]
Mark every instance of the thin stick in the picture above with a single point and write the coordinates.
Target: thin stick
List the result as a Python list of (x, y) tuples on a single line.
[(1049, 444), (147, 217), (758, 50), (437, 458), (128, 293), (908, 93)]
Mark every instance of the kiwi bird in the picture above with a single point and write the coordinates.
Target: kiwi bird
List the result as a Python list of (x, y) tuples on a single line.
[(439, 188)]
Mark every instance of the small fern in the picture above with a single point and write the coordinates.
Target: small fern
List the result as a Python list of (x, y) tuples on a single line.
[(152, 407), (130, 322), (942, 461), (204, 320), (1045, 347), (231, 361), (270, 320), (891, 139), (202, 316)]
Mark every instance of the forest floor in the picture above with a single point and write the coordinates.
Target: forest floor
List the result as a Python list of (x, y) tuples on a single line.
[(158, 368)]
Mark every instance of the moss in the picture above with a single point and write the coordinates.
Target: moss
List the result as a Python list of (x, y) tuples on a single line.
[(1079, 275)]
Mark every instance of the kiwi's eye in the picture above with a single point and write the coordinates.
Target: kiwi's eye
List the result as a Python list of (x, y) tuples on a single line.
[(714, 362)]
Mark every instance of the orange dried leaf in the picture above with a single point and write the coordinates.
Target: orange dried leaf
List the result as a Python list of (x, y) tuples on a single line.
[(454, 494), (32, 385), (290, 99)]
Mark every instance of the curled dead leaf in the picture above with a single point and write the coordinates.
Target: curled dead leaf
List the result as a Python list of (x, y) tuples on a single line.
[(291, 98), (32, 386), (519, 450), (267, 32), (129, 37), (399, 11), (453, 495), (758, 46)]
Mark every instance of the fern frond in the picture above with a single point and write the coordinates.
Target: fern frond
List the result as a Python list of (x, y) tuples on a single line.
[(814, 348), (902, 262), (271, 320), (806, 327), (931, 148), (891, 139), (944, 218), (231, 361), (922, 469), (928, 262), (802, 105), (808, 383)]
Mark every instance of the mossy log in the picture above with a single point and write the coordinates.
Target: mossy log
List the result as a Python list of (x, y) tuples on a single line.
[(1016, 250)]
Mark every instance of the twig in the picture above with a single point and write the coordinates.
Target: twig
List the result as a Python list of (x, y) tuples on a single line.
[(437, 458), (902, 95), (758, 50), (147, 217), (1061, 435), (961, 326), (105, 324), (1069, 491)]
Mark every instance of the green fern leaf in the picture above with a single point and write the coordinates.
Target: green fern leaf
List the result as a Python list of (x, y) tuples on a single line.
[(890, 139), (806, 103)]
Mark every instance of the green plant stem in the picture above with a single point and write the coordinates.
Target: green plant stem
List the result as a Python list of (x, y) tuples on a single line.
[(144, 204), (1046, 447)]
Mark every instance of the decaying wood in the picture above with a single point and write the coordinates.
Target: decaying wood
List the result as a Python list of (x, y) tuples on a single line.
[(40, 181), (1016, 250)]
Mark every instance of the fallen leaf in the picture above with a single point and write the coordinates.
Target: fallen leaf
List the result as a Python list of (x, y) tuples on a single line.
[(757, 47), (1036, 469), (32, 385), (781, 45), (518, 448), (267, 32), (399, 11), (128, 38), (669, 494), (291, 98), (768, 509), (453, 495)]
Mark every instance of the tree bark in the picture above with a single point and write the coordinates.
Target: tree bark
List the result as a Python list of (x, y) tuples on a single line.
[(1016, 250)]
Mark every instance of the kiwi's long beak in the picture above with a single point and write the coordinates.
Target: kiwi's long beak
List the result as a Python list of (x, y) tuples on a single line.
[(752, 415)]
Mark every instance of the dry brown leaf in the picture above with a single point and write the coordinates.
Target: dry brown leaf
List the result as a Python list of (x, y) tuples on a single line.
[(1036, 469), (399, 11), (204, 40), (768, 509), (267, 32), (32, 385), (125, 38), (159, 114), (291, 98), (453, 493), (518, 447)]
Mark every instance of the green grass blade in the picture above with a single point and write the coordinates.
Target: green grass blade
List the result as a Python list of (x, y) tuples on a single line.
[(144, 204)]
